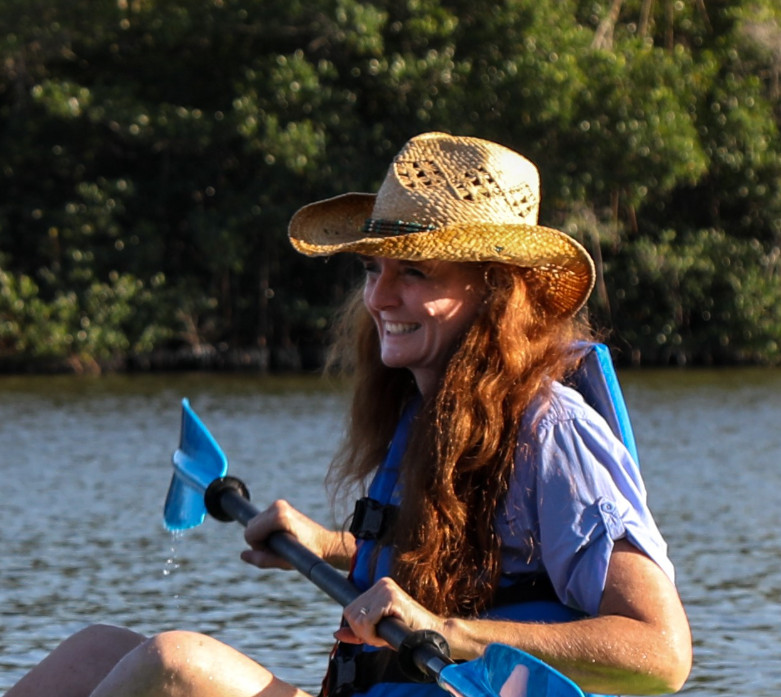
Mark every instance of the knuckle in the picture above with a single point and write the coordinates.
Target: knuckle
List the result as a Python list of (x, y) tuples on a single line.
[(385, 583)]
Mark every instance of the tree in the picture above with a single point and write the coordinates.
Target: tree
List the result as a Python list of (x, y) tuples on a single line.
[(154, 151)]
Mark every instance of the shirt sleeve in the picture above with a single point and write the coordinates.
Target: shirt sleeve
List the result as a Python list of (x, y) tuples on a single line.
[(588, 492)]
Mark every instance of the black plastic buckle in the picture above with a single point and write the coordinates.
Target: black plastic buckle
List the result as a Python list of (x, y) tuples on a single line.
[(342, 673), (372, 518)]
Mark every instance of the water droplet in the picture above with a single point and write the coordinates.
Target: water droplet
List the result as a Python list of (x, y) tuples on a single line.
[(172, 563)]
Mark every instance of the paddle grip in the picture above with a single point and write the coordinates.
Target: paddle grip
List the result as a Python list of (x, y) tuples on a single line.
[(227, 498)]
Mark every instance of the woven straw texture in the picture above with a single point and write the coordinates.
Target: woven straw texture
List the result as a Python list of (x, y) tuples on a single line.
[(455, 199)]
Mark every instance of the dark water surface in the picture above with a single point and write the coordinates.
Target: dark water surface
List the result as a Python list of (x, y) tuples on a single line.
[(85, 466)]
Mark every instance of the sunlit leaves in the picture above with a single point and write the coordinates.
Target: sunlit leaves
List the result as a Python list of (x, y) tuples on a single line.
[(107, 320), (701, 296), (144, 139)]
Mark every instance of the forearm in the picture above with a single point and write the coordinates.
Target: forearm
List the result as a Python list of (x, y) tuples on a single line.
[(606, 654), (639, 643), (338, 548)]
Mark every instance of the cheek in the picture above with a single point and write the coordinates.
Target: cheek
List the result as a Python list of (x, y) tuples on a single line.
[(453, 316), (367, 302), (442, 311)]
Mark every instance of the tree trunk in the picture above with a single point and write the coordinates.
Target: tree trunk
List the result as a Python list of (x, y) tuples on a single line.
[(603, 38), (645, 18)]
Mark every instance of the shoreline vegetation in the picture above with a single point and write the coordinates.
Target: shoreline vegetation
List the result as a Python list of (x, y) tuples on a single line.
[(184, 359), (290, 360), (153, 153)]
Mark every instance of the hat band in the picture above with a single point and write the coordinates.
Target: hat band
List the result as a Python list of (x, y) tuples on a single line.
[(393, 228)]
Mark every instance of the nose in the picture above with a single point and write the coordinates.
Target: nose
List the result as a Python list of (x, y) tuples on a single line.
[(381, 290)]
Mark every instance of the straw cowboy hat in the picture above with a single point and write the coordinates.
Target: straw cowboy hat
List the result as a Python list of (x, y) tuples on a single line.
[(456, 199)]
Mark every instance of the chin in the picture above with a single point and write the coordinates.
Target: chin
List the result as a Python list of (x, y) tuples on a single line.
[(394, 363)]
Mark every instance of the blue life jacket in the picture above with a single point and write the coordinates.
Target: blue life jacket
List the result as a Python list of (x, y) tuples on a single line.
[(364, 668), (597, 381)]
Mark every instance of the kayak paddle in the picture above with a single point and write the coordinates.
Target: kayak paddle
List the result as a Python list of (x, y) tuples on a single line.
[(197, 462), (200, 485)]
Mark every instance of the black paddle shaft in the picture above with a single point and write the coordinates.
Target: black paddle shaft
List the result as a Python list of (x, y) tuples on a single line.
[(422, 653)]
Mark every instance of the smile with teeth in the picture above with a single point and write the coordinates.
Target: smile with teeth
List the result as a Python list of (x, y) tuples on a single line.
[(400, 327)]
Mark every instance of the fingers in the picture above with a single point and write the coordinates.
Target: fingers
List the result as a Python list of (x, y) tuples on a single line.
[(383, 599), (277, 517), (364, 619), (346, 635), (362, 624), (264, 559), (280, 516)]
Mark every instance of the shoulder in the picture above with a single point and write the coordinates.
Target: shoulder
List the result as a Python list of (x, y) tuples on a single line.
[(566, 444), (562, 445), (561, 407)]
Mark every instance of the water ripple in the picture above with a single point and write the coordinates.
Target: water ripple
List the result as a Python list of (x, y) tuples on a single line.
[(87, 464)]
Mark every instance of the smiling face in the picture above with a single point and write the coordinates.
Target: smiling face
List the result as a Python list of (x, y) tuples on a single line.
[(421, 310)]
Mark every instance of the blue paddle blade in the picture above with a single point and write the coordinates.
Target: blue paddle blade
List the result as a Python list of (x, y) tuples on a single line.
[(197, 462), (504, 671)]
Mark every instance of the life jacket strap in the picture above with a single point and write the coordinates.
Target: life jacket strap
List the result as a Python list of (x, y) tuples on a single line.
[(341, 680), (371, 518), (527, 588), (353, 670)]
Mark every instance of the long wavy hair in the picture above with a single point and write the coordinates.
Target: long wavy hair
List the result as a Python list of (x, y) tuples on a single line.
[(460, 456)]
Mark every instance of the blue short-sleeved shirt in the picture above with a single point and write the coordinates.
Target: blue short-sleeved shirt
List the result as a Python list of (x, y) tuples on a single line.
[(574, 491)]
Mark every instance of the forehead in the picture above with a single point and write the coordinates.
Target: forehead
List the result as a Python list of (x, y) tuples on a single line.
[(434, 278), (454, 268)]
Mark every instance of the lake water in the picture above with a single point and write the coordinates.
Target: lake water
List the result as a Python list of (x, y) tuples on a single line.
[(85, 466)]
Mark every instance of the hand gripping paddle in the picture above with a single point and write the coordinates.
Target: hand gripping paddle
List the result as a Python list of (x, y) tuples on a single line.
[(200, 485)]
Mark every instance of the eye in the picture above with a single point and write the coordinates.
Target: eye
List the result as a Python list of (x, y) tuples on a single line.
[(414, 271), (370, 266)]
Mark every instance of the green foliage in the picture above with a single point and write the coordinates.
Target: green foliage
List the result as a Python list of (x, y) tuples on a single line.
[(154, 151), (106, 322), (30, 327), (703, 297)]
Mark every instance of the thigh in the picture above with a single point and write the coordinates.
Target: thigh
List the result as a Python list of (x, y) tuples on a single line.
[(188, 664), (79, 663)]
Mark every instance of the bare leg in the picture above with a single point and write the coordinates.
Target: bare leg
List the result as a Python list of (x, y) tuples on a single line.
[(78, 664), (186, 664)]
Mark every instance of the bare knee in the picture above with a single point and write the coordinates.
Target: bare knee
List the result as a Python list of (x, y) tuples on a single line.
[(175, 658), (173, 647), (101, 646), (107, 638), (187, 664), (79, 663)]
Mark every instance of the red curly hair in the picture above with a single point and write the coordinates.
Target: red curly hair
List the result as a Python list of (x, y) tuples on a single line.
[(462, 444)]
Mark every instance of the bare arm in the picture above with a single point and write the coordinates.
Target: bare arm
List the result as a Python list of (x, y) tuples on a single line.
[(336, 547), (640, 642)]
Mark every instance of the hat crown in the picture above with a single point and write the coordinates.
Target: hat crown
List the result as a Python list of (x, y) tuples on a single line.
[(440, 180), (458, 199)]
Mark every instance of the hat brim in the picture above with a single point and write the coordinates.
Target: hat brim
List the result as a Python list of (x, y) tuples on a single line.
[(565, 269)]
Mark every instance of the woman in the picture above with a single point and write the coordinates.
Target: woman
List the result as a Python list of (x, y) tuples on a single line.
[(502, 511)]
